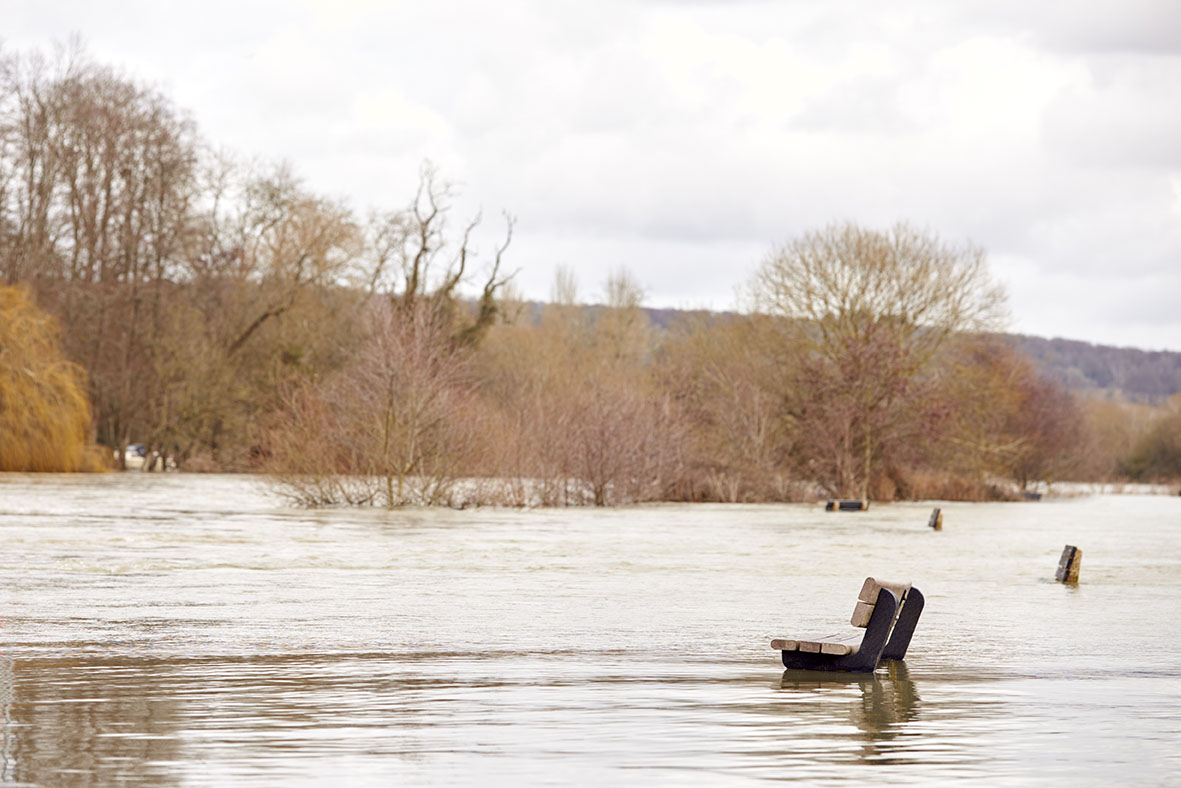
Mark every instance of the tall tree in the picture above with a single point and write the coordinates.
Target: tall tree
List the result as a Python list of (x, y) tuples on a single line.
[(95, 215), (1003, 418), (869, 311)]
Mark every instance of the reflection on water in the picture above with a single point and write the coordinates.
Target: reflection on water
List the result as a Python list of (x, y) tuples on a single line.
[(888, 698), (87, 721), (79, 729), (8, 737), (216, 638)]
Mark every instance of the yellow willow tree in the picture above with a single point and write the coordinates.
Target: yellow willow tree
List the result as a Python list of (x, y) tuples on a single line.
[(44, 412), (869, 311)]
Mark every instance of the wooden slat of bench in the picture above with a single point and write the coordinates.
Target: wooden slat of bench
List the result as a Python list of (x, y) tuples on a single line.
[(871, 586), (861, 614), (839, 649), (827, 647), (839, 644), (869, 596)]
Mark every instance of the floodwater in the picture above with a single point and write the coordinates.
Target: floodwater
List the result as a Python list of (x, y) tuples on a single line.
[(192, 630)]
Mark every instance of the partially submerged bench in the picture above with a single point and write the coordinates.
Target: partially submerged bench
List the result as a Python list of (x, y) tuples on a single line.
[(888, 613), (846, 506)]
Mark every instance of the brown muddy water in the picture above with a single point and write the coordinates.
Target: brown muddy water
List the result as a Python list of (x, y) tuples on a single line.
[(192, 630)]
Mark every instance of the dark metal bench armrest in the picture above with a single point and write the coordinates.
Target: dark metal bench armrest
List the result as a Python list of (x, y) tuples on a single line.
[(908, 619)]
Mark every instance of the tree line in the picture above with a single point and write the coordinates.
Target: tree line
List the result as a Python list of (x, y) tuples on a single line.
[(229, 318), (191, 287)]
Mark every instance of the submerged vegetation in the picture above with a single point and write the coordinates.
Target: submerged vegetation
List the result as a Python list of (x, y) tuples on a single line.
[(230, 319)]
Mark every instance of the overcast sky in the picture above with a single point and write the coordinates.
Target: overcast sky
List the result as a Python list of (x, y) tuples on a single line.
[(682, 139)]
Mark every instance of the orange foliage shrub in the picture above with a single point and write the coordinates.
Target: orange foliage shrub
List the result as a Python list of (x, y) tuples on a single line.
[(44, 411)]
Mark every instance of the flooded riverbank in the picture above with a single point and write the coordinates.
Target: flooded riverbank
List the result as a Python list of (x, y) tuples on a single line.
[(169, 629)]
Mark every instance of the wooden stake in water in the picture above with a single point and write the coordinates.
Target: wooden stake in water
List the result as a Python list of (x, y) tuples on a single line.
[(936, 520), (1069, 564)]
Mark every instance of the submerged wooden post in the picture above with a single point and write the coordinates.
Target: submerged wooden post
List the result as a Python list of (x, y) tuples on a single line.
[(846, 506), (1068, 564), (936, 520)]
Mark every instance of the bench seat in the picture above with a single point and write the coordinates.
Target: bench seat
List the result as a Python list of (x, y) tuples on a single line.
[(839, 644), (887, 612)]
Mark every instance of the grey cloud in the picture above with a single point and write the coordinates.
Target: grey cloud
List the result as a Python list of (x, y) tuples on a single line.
[(1146, 26), (1129, 118)]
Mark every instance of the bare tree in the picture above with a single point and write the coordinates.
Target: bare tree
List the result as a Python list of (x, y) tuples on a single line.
[(591, 425), (727, 373), (393, 422), (280, 244), (414, 261), (625, 441), (94, 214), (875, 308), (1003, 417), (29, 224), (1156, 453)]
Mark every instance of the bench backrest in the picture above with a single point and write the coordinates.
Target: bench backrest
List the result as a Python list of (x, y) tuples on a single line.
[(869, 597)]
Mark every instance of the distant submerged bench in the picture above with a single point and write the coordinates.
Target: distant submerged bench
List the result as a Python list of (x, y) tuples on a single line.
[(888, 612), (846, 506)]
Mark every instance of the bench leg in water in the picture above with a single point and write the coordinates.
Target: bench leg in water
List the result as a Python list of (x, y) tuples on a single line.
[(865, 659)]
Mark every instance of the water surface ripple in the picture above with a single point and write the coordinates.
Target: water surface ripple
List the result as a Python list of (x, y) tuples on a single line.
[(191, 630)]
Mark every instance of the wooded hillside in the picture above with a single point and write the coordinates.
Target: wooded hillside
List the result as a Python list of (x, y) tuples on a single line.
[(1136, 375)]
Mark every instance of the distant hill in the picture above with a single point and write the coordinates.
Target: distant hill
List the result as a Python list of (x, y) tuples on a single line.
[(1128, 373), (1138, 375)]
